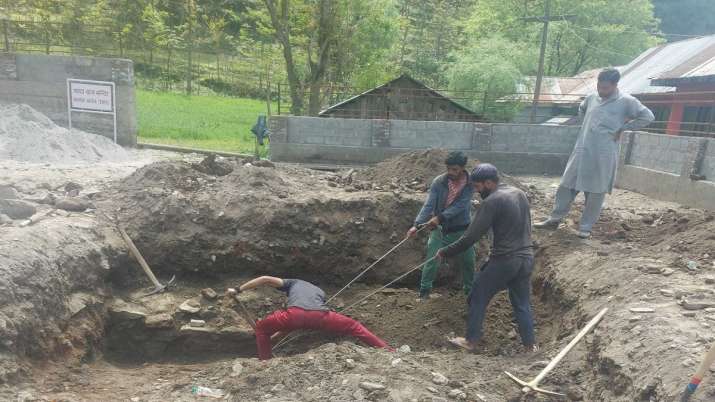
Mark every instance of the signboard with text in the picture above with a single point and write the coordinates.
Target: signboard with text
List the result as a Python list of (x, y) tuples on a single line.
[(91, 97)]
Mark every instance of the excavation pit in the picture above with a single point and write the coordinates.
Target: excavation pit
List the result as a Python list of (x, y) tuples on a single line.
[(220, 230)]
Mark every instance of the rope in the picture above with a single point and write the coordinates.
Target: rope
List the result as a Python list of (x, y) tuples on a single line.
[(372, 265), (287, 340), (390, 283), (290, 338)]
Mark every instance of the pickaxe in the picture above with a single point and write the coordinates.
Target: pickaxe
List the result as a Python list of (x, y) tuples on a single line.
[(158, 287), (246, 314), (533, 385), (702, 369)]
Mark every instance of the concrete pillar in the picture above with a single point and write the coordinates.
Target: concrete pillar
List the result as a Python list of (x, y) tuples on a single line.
[(627, 147), (278, 126), (381, 133), (676, 117)]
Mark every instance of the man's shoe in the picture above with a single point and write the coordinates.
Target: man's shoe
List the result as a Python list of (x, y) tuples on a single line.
[(531, 349), (548, 224), (583, 234), (424, 295)]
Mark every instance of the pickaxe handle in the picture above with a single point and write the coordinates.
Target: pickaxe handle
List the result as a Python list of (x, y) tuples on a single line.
[(246, 314), (570, 346), (135, 252), (533, 385), (708, 360)]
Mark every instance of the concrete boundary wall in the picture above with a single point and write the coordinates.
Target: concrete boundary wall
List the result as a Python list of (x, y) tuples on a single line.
[(41, 81), (515, 148), (670, 168)]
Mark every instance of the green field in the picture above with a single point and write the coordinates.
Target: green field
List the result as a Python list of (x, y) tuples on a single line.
[(208, 122)]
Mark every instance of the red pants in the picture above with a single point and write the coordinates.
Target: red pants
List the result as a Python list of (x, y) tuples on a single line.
[(296, 318)]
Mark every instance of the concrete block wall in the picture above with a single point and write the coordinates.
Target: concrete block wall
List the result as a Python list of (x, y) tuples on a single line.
[(41, 82), (316, 130), (707, 166), (665, 153), (671, 168), (430, 134), (533, 138), (356, 141)]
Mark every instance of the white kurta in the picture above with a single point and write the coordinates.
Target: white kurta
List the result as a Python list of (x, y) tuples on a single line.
[(592, 165)]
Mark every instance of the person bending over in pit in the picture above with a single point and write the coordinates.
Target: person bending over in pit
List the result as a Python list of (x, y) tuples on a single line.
[(447, 207), (505, 210), (306, 309)]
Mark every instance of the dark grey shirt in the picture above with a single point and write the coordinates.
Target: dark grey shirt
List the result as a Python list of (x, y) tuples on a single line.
[(304, 295), (506, 211)]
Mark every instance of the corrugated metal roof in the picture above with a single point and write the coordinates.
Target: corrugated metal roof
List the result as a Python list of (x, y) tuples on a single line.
[(557, 90), (707, 68), (656, 69), (672, 58)]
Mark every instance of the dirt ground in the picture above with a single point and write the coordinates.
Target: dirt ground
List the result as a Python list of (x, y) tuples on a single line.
[(75, 327)]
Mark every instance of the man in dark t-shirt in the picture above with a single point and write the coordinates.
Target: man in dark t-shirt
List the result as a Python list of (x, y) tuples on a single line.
[(505, 210), (306, 309)]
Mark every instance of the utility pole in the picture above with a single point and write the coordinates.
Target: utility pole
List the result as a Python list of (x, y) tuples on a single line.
[(190, 45), (542, 53)]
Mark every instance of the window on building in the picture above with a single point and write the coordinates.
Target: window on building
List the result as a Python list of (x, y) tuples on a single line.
[(697, 119)]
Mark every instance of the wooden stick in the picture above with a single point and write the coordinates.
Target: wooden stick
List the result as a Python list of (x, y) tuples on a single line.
[(533, 385), (135, 252)]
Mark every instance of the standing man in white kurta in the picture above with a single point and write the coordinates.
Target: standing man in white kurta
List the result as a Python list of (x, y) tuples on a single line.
[(591, 169)]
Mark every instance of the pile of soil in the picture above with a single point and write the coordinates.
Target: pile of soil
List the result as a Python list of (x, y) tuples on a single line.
[(253, 219), (27, 135), (414, 172), (414, 169)]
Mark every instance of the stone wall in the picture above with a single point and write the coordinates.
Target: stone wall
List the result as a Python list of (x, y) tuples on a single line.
[(41, 82)]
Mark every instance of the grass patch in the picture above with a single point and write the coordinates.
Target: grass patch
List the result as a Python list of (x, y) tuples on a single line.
[(209, 122)]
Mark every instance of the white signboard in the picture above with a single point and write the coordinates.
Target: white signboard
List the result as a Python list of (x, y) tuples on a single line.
[(91, 97), (96, 97)]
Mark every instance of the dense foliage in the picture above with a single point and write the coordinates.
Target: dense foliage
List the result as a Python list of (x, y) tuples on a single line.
[(323, 49)]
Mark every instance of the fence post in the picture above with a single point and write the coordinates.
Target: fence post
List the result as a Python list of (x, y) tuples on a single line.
[(279, 99), (6, 35), (484, 103)]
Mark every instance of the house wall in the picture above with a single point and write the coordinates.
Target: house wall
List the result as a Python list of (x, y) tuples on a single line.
[(41, 82)]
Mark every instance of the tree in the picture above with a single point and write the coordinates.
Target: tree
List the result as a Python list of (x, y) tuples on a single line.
[(156, 33), (311, 26), (485, 76), (429, 32), (602, 33), (685, 17)]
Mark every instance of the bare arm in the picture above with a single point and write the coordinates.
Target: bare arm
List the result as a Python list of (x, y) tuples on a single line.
[(479, 227), (271, 281)]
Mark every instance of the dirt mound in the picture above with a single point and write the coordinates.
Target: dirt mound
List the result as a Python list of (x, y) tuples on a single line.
[(287, 221), (415, 171), (27, 135)]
